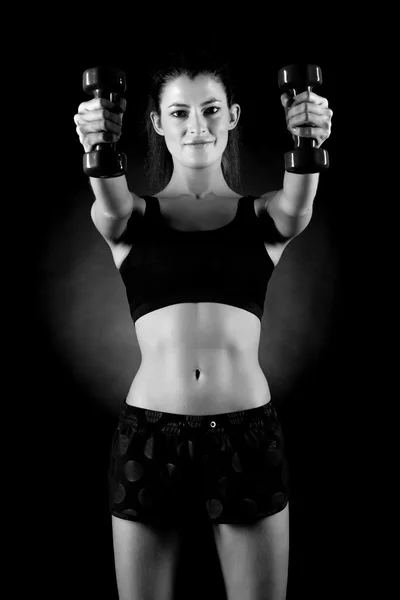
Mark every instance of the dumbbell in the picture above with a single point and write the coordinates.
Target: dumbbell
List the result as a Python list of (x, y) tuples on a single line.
[(305, 158), (104, 160)]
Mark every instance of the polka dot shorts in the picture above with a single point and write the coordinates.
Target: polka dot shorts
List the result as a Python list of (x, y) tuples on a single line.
[(170, 469)]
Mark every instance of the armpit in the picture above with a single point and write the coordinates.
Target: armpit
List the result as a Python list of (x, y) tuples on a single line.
[(271, 235)]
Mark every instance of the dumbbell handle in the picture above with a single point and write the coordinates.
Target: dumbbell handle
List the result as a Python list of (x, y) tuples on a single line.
[(112, 97), (300, 141)]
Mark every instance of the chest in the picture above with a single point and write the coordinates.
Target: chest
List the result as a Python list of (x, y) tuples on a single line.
[(183, 216), (198, 216)]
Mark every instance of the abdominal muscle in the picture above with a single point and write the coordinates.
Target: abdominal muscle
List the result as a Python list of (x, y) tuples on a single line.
[(199, 359)]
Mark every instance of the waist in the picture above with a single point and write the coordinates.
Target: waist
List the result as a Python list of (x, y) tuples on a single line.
[(211, 382)]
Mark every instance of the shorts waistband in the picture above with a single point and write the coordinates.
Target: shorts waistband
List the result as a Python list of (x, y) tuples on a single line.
[(143, 416)]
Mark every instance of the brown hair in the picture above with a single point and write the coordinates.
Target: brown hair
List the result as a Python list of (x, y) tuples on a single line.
[(158, 162)]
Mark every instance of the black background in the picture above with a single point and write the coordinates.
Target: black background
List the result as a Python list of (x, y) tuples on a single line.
[(64, 519)]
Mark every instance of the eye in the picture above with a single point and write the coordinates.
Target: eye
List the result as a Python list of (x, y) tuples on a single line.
[(184, 111)]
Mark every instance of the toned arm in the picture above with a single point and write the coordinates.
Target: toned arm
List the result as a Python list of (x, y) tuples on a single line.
[(113, 206), (289, 225), (291, 207)]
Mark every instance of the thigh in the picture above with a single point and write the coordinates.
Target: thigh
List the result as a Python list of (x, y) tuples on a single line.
[(255, 557), (149, 502), (146, 559)]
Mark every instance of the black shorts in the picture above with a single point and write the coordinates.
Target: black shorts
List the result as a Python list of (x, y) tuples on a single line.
[(169, 469)]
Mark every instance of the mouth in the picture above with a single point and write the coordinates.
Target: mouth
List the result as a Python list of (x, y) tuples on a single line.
[(199, 145)]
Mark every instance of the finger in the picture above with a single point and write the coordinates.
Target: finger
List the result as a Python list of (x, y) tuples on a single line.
[(309, 96), (309, 118), (96, 104), (308, 108), (285, 100), (324, 126), (100, 137), (99, 125), (98, 115), (311, 132)]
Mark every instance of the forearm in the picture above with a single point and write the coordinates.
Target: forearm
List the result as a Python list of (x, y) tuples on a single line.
[(299, 191), (113, 196)]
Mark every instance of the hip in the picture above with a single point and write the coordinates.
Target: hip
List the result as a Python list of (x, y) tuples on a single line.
[(175, 468)]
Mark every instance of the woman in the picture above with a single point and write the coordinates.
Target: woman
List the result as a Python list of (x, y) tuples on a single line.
[(198, 434)]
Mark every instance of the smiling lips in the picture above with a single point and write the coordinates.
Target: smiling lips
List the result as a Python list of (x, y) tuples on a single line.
[(198, 145), (198, 141)]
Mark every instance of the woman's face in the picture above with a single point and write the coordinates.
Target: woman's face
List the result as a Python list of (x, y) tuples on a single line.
[(205, 115)]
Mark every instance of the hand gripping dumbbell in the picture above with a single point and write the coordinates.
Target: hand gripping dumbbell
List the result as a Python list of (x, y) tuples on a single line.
[(305, 158), (103, 160)]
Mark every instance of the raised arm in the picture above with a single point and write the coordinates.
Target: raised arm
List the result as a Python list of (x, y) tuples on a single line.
[(291, 207), (100, 121)]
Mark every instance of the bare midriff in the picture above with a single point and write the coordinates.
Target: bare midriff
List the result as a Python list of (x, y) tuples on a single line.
[(199, 358)]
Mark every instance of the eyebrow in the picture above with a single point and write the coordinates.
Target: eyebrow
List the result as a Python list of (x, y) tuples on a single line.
[(202, 104)]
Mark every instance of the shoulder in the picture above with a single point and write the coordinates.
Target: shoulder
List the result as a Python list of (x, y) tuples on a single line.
[(272, 232), (118, 231)]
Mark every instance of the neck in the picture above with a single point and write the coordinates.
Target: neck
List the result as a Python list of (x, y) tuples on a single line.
[(197, 184), (196, 193)]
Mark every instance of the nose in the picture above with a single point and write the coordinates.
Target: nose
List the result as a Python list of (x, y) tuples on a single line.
[(197, 131), (197, 125)]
